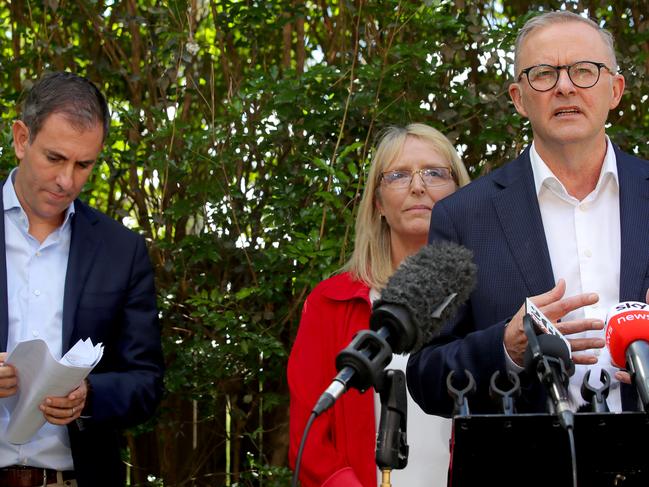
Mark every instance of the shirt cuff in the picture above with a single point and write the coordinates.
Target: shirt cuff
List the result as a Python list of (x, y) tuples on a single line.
[(509, 363)]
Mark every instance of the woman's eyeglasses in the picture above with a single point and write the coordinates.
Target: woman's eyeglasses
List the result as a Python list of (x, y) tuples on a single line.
[(431, 177)]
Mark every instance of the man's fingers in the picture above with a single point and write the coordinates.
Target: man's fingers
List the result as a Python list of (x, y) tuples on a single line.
[(580, 344), (61, 416), (584, 359), (577, 326), (559, 309), (64, 410), (8, 391), (623, 376), (554, 294), (8, 380)]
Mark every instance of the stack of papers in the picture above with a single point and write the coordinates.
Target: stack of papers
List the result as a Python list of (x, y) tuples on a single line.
[(40, 375)]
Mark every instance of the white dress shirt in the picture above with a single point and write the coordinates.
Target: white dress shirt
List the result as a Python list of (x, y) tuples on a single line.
[(583, 239), (35, 286)]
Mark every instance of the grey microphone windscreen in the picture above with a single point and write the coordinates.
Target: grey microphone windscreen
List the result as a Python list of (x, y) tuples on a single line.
[(430, 286)]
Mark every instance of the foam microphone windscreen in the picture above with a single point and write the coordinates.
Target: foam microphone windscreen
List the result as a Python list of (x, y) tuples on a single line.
[(626, 323), (431, 285)]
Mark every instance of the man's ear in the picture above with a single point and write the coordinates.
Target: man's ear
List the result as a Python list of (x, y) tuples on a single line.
[(21, 138), (618, 84), (515, 93)]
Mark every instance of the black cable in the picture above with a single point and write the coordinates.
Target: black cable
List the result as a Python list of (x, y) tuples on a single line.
[(296, 472), (573, 455)]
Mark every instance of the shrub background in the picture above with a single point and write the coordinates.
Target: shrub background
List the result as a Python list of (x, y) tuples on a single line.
[(241, 132)]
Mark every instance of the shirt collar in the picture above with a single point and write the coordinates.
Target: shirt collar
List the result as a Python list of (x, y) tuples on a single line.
[(10, 199), (543, 176)]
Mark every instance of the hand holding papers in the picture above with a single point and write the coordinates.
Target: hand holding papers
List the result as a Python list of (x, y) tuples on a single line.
[(41, 375)]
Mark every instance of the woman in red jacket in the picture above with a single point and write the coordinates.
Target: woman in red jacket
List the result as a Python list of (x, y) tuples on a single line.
[(413, 168)]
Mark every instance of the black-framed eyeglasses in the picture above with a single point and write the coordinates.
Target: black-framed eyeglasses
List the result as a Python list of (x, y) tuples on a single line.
[(583, 74), (431, 177)]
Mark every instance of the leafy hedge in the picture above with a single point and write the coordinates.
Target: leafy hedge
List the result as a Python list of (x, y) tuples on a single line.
[(240, 137)]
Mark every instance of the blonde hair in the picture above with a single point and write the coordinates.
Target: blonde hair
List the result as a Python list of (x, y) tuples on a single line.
[(371, 260)]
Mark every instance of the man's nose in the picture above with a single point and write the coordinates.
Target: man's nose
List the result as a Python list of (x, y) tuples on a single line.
[(564, 83), (65, 177)]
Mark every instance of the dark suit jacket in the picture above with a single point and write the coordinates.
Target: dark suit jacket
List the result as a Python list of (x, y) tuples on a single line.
[(499, 219), (110, 297)]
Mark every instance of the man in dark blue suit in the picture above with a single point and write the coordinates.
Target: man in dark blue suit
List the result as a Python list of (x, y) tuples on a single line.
[(72, 273), (565, 223)]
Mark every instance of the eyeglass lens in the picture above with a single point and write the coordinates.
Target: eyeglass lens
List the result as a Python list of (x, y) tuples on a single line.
[(583, 75), (434, 176)]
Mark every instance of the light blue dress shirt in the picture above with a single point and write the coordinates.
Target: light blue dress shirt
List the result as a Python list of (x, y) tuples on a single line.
[(35, 287)]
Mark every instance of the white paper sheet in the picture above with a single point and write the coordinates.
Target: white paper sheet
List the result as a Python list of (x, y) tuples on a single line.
[(40, 375)]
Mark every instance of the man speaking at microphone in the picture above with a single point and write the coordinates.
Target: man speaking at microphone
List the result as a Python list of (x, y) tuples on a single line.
[(565, 223)]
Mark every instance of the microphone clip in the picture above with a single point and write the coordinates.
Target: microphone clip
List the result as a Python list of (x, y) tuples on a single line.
[(367, 354), (459, 394), (508, 392), (596, 396)]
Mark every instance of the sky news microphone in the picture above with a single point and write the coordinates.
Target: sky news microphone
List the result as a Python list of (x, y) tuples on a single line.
[(627, 338), (424, 292)]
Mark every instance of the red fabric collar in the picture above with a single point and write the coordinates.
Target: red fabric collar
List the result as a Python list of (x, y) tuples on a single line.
[(342, 287)]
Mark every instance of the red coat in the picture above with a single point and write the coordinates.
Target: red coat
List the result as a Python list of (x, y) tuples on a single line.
[(341, 444)]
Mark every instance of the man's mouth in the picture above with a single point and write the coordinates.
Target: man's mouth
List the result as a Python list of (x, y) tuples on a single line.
[(57, 196), (567, 111)]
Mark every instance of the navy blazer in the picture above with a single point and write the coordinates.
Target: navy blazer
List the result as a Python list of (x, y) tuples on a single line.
[(110, 297), (499, 219)]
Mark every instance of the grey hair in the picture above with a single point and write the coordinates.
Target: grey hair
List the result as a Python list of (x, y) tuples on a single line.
[(73, 96), (561, 17)]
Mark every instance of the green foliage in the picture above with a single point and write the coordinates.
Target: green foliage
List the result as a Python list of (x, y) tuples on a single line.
[(240, 138)]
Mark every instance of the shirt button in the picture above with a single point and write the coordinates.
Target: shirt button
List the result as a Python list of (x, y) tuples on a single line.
[(37, 292), (583, 206), (588, 253), (35, 333), (38, 254)]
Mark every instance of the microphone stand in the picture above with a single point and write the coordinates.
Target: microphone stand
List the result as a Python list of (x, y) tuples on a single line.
[(550, 378), (391, 442)]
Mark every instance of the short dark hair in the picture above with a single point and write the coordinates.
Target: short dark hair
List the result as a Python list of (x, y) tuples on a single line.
[(73, 96)]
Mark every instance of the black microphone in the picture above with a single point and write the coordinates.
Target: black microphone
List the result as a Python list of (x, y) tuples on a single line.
[(424, 292), (548, 357)]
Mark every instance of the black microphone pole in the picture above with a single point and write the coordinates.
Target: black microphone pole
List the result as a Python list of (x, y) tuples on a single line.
[(552, 372), (391, 442), (553, 378)]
